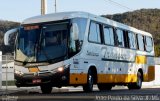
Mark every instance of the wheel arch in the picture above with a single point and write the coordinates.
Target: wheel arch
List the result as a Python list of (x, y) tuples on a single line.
[(141, 71), (94, 72)]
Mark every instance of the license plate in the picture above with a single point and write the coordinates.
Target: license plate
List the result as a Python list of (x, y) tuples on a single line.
[(36, 81)]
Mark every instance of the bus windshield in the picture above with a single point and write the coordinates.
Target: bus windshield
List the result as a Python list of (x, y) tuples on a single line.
[(37, 44), (52, 42), (26, 44)]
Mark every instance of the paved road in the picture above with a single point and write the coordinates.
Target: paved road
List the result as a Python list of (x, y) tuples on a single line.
[(117, 94)]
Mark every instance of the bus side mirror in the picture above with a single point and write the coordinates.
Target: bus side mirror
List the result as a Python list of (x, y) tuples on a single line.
[(8, 35), (75, 31)]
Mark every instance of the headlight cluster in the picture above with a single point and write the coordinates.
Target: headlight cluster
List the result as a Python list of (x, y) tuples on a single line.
[(18, 72), (61, 69)]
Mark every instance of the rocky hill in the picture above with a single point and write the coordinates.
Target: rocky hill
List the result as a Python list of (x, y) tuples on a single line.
[(144, 19)]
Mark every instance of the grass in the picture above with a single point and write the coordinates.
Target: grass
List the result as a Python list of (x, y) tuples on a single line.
[(9, 83)]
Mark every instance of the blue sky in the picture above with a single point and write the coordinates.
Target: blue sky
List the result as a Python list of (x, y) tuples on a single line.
[(18, 10)]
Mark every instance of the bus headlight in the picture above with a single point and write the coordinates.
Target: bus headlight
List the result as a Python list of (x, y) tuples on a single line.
[(60, 69), (18, 72)]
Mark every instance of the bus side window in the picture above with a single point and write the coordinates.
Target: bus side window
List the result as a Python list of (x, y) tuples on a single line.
[(149, 44), (119, 39), (126, 39), (108, 35), (140, 42), (132, 40), (94, 33)]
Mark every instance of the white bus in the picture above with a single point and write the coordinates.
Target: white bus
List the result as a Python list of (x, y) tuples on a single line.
[(81, 49)]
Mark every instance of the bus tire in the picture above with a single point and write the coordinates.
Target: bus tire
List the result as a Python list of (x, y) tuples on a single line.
[(46, 89), (103, 87), (89, 86), (138, 84)]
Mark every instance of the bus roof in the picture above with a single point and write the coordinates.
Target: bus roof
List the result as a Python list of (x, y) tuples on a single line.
[(70, 15), (55, 17)]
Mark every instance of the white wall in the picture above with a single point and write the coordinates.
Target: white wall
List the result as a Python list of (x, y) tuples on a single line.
[(10, 71), (157, 75), (156, 82), (0, 69)]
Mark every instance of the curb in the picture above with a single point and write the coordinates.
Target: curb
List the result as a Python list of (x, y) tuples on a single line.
[(10, 92)]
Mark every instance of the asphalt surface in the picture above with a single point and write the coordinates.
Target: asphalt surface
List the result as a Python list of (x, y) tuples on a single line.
[(76, 94)]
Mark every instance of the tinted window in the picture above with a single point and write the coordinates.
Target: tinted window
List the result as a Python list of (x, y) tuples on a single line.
[(126, 42), (75, 46), (149, 44), (119, 38), (132, 40), (81, 22), (140, 42), (94, 33), (54, 42), (108, 35)]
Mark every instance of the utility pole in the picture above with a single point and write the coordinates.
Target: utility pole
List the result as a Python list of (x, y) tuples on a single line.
[(43, 7), (55, 6)]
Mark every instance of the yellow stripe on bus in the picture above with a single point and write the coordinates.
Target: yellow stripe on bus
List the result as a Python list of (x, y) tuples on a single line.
[(78, 78), (116, 78), (150, 76), (34, 69), (141, 59)]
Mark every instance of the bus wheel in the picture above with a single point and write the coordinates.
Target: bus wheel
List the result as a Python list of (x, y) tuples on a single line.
[(89, 86), (46, 89), (138, 84), (103, 87)]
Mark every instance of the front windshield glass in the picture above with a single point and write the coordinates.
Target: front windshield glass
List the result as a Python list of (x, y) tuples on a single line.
[(27, 40), (42, 44), (54, 42), (49, 42)]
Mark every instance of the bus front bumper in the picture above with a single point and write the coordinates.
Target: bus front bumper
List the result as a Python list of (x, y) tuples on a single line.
[(55, 79)]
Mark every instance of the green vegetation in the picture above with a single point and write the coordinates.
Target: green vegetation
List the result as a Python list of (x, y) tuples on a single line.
[(9, 83), (5, 26), (144, 19)]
